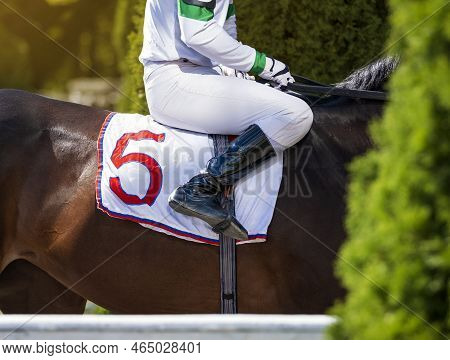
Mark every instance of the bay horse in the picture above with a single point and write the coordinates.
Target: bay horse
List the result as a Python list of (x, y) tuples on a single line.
[(57, 249)]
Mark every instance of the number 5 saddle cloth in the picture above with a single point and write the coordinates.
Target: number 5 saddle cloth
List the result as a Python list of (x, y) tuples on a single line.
[(140, 162)]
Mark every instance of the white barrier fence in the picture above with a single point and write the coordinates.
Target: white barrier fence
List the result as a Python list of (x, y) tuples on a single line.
[(144, 327)]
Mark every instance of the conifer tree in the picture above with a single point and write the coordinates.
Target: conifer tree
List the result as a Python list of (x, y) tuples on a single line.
[(399, 202)]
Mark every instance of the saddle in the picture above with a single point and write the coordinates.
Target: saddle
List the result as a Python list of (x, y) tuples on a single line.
[(141, 162)]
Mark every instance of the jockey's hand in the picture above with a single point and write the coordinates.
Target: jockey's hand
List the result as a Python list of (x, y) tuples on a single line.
[(226, 71), (277, 72)]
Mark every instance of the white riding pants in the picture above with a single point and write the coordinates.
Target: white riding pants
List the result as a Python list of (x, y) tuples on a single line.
[(196, 98)]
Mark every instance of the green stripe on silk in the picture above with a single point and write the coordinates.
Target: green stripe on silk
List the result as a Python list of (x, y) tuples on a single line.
[(194, 12), (259, 65), (231, 11)]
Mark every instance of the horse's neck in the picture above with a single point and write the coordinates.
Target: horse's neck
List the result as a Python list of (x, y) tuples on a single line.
[(339, 134), (344, 128)]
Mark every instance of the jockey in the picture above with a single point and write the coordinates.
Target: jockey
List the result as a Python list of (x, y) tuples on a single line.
[(188, 46)]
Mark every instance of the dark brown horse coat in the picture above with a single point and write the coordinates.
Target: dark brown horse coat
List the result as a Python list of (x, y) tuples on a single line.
[(52, 237)]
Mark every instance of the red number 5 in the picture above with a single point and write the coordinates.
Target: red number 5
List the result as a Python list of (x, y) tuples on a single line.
[(151, 164)]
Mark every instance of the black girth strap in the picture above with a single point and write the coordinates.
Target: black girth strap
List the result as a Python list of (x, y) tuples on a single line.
[(228, 277)]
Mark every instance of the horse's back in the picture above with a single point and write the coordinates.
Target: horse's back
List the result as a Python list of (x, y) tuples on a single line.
[(11, 115), (22, 111)]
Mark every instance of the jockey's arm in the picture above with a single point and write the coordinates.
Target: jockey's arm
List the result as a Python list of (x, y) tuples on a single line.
[(230, 27), (230, 24), (201, 32)]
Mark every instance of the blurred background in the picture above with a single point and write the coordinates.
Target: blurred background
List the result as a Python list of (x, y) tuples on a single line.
[(37, 37), (324, 40), (399, 198)]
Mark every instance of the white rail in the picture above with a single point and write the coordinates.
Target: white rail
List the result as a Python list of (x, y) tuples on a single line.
[(186, 327)]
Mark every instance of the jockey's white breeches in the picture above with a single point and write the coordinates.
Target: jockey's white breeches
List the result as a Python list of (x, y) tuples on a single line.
[(196, 98)]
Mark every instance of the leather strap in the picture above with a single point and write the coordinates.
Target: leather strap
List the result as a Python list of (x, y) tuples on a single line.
[(228, 268)]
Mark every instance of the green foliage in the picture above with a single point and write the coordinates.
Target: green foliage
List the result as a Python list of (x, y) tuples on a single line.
[(93, 309), (14, 67), (32, 61), (133, 86), (325, 40), (399, 200), (121, 28), (96, 310)]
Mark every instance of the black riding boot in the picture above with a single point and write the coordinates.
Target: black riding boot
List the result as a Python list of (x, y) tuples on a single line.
[(200, 196)]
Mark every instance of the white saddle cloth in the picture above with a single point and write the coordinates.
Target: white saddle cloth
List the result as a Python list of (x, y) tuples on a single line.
[(140, 162)]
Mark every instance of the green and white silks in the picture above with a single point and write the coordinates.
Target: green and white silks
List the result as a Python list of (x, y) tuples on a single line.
[(200, 31)]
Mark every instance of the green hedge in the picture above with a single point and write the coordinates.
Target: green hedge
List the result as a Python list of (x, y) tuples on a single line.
[(324, 39), (133, 72), (399, 199), (29, 60)]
